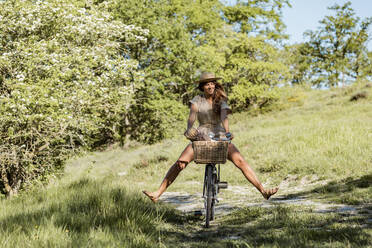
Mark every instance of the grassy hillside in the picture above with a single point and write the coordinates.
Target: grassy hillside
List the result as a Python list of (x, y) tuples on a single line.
[(316, 145)]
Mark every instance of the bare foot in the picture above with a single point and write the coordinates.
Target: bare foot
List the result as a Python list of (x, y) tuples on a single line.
[(152, 196), (269, 192)]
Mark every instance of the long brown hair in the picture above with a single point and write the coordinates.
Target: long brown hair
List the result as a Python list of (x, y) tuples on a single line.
[(219, 95)]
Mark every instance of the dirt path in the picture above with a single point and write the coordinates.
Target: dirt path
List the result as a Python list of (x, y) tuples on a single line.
[(236, 197)]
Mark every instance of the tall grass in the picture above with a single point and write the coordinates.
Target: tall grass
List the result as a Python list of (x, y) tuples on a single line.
[(83, 213)]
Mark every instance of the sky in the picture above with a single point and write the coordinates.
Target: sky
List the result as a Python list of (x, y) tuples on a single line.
[(306, 14)]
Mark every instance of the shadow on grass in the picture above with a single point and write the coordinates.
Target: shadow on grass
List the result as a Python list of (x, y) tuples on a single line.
[(346, 185), (277, 227), (347, 191), (85, 206)]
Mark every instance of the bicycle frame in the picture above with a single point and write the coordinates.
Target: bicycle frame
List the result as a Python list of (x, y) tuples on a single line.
[(212, 185), (215, 171)]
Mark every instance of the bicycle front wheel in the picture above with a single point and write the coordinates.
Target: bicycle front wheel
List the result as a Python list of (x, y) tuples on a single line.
[(209, 192), (214, 191)]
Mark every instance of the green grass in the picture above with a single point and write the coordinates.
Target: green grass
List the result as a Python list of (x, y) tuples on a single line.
[(318, 143), (83, 213), (348, 191), (277, 227)]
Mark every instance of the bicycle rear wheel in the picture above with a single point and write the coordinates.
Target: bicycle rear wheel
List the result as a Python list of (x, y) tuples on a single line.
[(209, 204)]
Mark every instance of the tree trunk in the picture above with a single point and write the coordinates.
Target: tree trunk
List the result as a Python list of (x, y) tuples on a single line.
[(127, 134), (126, 140), (9, 192), (11, 182)]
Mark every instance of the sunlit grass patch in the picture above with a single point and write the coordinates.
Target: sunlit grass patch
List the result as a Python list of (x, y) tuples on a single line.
[(350, 191), (82, 213), (285, 227)]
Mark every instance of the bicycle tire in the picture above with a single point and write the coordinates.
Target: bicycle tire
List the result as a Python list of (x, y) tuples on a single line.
[(214, 190), (209, 198)]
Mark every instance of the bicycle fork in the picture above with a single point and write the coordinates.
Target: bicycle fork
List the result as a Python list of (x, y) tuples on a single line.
[(216, 183)]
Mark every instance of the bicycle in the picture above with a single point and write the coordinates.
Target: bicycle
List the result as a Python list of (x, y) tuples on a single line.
[(211, 153), (211, 188)]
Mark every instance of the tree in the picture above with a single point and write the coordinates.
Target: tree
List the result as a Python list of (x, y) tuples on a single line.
[(187, 37), (296, 58), (249, 65), (65, 82), (259, 17), (338, 48), (366, 69)]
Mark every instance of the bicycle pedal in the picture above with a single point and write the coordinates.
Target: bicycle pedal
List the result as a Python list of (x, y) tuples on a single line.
[(222, 185)]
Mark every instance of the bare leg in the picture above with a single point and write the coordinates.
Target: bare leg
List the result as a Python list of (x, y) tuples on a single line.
[(186, 157), (235, 157)]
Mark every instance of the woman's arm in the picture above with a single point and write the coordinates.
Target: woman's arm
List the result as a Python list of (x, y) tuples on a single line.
[(225, 120), (192, 116)]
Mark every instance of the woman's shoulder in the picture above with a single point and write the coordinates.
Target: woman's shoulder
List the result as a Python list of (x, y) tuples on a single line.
[(196, 99), (224, 105)]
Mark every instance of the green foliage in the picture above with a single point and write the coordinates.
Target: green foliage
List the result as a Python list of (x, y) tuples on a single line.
[(170, 58), (186, 38), (246, 94), (251, 67), (261, 17), (65, 83), (338, 48), (298, 61), (155, 117)]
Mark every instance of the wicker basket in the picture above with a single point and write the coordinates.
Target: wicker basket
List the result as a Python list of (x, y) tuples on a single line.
[(210, 152)]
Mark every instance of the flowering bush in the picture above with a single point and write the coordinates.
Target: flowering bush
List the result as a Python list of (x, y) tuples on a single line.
[(66, 80)]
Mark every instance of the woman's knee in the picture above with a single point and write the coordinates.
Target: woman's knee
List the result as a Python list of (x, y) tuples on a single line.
[(235, 156), (181, 164), (186, 156), (239, 162)]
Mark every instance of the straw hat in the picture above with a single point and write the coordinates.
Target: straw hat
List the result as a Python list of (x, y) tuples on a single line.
[(207, 77)]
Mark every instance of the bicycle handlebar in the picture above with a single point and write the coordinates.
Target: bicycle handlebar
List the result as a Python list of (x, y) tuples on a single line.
[(194, 135), (228, 137), (221, 139)]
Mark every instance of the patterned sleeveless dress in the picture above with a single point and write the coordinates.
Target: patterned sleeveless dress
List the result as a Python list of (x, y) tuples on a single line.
[(209, 121)]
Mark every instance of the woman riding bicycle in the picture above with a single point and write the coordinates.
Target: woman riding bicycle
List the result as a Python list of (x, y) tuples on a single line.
[(212, 110)]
